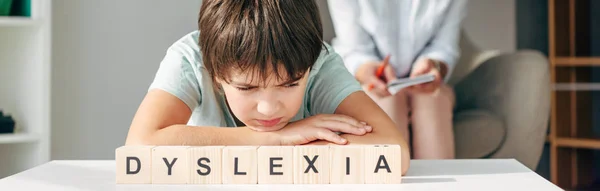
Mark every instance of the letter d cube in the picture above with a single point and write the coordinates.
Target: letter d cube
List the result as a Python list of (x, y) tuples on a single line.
[(133, 164)]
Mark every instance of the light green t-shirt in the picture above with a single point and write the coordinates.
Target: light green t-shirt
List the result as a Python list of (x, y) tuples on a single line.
[(182, 74)]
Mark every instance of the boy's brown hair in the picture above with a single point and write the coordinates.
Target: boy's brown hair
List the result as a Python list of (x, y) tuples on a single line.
[(258, 35)]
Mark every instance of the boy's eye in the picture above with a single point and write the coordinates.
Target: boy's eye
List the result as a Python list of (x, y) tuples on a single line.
[(244, 88), (291, 85), (248, 88)]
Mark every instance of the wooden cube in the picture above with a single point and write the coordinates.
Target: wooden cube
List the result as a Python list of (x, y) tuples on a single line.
[(205, 164), (170, 165), (239, 165), (133, 164), (347, 164), (311, 164), (275, 164), (383, 164)]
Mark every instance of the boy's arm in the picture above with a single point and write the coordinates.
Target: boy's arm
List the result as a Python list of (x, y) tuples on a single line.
[(384, 129), (161, 119)]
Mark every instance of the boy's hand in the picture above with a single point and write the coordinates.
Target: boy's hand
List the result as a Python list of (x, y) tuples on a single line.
[(428, 66), (366, 75), (321, 127)]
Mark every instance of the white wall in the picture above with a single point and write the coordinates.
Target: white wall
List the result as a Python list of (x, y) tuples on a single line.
[(491, 24), (105, 54)]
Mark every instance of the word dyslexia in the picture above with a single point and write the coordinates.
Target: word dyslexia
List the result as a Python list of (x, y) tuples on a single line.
[(344, 164)]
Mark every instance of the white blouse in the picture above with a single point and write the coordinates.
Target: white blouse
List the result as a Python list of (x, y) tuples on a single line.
[(368, 30)]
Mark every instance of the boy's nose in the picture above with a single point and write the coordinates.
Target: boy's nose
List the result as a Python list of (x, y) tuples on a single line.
[(267, 108)]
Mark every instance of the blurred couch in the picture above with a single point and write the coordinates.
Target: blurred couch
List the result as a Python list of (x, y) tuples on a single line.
[(502, 103)]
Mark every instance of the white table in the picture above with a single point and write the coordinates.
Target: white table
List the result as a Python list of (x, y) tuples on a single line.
[(479, 174)]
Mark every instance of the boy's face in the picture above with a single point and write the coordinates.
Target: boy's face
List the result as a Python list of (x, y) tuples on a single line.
[(264, 106)]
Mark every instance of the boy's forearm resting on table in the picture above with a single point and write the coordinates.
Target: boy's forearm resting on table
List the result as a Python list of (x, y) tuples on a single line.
[(161, 120), (202, 136), (374, 137)]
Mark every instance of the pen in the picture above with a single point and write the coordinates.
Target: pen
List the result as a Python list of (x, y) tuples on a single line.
[(379, 73)]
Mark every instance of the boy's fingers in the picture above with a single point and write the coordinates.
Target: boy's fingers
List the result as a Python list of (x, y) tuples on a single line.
[(330, 136), (338, 126), (346, 119)]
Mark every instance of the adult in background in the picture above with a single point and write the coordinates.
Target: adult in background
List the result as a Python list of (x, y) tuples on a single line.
[(415, 38)]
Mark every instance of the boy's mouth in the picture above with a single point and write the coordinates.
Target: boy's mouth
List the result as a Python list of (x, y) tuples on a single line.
[(269, 122)]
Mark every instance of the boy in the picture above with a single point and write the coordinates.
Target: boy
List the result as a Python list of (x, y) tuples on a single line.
[(260, 66)]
